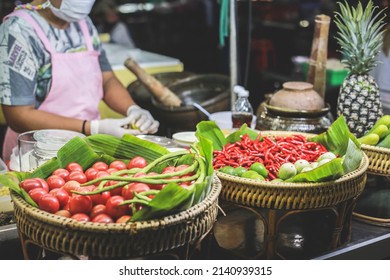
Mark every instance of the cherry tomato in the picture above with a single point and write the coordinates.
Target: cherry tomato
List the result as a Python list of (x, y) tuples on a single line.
[(36, 194), (139, 174), (29, 184), (86, 189), (137, 162), (118, 164), (113, 209), (71, 186), (80, 204), (123, 219), (49, 203), (101, 174), (97, 209), (55, 182), (91, 173), (78, 176), (100, 198), (168, 169), (157, 187), (44, 184), (116, 191), (101, 166), (74, 166), (63, 173), (112, 170), (81, 217), (63, 213), (154, 186), (128, 190), (62, 196), (102, 218), (183, 166)]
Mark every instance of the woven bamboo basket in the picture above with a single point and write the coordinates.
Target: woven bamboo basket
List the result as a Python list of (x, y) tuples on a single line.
[(293, 196), (379, 159), (117, 241)]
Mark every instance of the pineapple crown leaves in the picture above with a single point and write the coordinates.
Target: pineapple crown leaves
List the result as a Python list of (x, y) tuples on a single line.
[(360, 33)]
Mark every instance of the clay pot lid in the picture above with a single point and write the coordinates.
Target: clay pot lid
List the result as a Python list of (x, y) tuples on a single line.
[(297, 86), (297, 95)]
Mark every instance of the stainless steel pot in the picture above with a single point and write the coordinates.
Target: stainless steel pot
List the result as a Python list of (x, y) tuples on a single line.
[(211, 91), (142, 96)]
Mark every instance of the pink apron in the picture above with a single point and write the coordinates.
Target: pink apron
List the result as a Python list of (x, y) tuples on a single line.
[(77, 82)]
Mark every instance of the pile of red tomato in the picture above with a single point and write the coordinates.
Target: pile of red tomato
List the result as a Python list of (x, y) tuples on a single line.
[(55, 195)]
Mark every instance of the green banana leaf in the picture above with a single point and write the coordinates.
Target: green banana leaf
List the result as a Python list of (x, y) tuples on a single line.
[(211, 131), (335, 138), (244, 130), (127, 147), (352, 158), (326, 172), (11, 180), (171, 199), (205, 147)]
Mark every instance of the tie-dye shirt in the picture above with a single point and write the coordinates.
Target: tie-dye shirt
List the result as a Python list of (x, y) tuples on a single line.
[(25, 65)]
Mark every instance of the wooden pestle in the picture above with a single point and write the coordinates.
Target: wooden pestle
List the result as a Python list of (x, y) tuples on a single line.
[(319, 53), (161, 92)]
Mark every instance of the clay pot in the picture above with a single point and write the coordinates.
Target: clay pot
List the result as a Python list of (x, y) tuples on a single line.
[(297, 96)]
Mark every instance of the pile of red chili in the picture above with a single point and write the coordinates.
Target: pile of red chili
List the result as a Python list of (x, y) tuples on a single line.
[(272, 152)]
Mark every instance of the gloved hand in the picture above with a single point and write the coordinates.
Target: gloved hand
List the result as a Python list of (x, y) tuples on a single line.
[(115, 127), (142, 119)]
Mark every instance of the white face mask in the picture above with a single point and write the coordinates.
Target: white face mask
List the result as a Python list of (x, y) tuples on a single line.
[(73, 10)]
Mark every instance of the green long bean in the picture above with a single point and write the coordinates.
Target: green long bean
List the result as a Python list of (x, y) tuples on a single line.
[(182, 172)]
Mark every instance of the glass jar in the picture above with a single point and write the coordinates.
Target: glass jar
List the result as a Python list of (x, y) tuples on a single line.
[(48, 142)]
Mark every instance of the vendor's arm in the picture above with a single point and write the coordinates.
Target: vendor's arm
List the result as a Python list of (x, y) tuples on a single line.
[(26, 118), (118, 99), (116, 95)]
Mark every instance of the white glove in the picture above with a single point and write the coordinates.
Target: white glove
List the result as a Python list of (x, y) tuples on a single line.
[(142, 119), (115, 127)]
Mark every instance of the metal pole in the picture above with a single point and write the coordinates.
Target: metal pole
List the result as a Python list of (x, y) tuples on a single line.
[(233, 51)]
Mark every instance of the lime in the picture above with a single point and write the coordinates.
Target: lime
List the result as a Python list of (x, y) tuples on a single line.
[(323, 161), (300, 164), (277, 180), (259, 168), (240, 170), (327, 155), (227, 170), (306, 169), (287, 170), (250, 174)]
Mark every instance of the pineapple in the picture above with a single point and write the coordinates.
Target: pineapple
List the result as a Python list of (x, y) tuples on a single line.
[(359, 35)]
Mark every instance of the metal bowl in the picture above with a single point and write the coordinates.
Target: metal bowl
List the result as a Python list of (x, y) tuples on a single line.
[(142, 96), (211, 91)]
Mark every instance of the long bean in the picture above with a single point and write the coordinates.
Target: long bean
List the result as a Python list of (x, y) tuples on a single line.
[(126, 180), (132, 201), (182, 172)]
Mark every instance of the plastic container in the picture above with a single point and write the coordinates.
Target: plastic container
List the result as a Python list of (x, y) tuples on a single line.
[(334, 77), (242, 110), (48, 142)]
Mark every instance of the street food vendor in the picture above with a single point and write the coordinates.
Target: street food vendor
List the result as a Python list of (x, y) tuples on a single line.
[(54, 73)]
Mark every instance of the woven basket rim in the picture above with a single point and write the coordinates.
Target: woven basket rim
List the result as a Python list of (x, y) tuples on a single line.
[(303, 185), (379, 158), (371, 148), (170, 220)]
